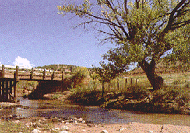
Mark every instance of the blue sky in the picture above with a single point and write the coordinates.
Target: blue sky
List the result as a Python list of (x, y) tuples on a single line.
[(32, 32)]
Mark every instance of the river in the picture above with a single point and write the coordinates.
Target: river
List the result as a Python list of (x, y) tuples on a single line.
[(53, 108)]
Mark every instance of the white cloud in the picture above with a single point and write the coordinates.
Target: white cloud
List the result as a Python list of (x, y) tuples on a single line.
[(22, 62)]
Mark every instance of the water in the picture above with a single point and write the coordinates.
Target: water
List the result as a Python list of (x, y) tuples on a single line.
[(52, 108)]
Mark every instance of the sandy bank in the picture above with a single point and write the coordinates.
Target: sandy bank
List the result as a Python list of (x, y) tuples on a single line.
[(126, 128)]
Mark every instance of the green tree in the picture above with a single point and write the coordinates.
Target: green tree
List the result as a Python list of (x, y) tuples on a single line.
[(142, 30)]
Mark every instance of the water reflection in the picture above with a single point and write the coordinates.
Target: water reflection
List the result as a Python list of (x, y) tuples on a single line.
[(50, 108)]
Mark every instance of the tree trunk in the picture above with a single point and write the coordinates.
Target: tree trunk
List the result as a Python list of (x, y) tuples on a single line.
[(155, 80)]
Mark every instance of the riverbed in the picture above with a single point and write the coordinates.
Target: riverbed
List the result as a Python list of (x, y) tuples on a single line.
[(93, 114)]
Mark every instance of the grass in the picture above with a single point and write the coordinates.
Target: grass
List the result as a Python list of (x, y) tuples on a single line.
[(172, 98), (88, 91), (9, 127)]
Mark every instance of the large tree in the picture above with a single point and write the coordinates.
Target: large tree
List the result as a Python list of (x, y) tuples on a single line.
[(142, 30)]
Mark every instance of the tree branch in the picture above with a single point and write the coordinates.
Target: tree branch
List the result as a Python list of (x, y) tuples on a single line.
[(171, 18), (125, 7), (120, 25)]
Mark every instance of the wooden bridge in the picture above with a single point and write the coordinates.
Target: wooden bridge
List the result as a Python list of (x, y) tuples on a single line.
[(10, 76)]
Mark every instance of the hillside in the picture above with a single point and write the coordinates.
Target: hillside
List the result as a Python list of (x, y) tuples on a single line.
[(163, 68), (58, 67)]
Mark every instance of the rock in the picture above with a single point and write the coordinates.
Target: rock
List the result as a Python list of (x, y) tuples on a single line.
[(16, 121), (122, 129), (36, 131), (121, 98), (104, 131), (75, 122), (80, 120), (90, 125), (34, 125), (63, 132), (55, 119), (65, 128), (56, 129)]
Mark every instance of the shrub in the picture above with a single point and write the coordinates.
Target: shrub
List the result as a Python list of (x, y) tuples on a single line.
[(80, 74), (136, 92), (171, 98), (86, 96)]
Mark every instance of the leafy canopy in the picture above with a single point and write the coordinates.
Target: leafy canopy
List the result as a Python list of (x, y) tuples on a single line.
[(141, 29)]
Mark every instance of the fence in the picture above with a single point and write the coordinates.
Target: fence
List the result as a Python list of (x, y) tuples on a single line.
[(31, 74)]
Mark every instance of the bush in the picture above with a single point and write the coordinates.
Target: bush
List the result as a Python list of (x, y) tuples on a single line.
[(171, 98), (86, 96), (136, 92), (80, 74)]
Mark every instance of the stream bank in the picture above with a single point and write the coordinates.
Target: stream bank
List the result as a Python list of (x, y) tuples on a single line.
[(60, 116)]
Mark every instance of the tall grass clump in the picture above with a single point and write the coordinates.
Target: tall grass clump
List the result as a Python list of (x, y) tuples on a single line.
[(171, 100), (80, 73), (86, 95), (11, 127)]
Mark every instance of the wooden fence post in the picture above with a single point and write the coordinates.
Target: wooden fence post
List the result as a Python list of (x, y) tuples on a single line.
[(31, 73), (131, 81), (44, 74), (3, 71), (53, 74), (117, 83), (62, 75), (6, 90), (103, 89), (10, 88), (15, 81), (1, 90), (125, 82)]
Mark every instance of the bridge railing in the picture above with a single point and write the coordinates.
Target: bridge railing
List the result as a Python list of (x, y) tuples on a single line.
[(31, 74)]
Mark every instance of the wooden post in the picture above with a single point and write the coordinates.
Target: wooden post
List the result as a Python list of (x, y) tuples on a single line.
[(3, 88), (109, 86), (117, 83), (0, 90), (103, 89), (125, 82), (31, 73), (6, 90), (62, 80), (62, 75), (15, 81), (52, 76), (10, 88), (3, 71), (44, 74)]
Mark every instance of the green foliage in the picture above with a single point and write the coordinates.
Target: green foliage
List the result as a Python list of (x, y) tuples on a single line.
[(141, 30), (80, 73), (9, 127), (136, 92), (58, 67), (26, 85), (171, 96), (86, 96)]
